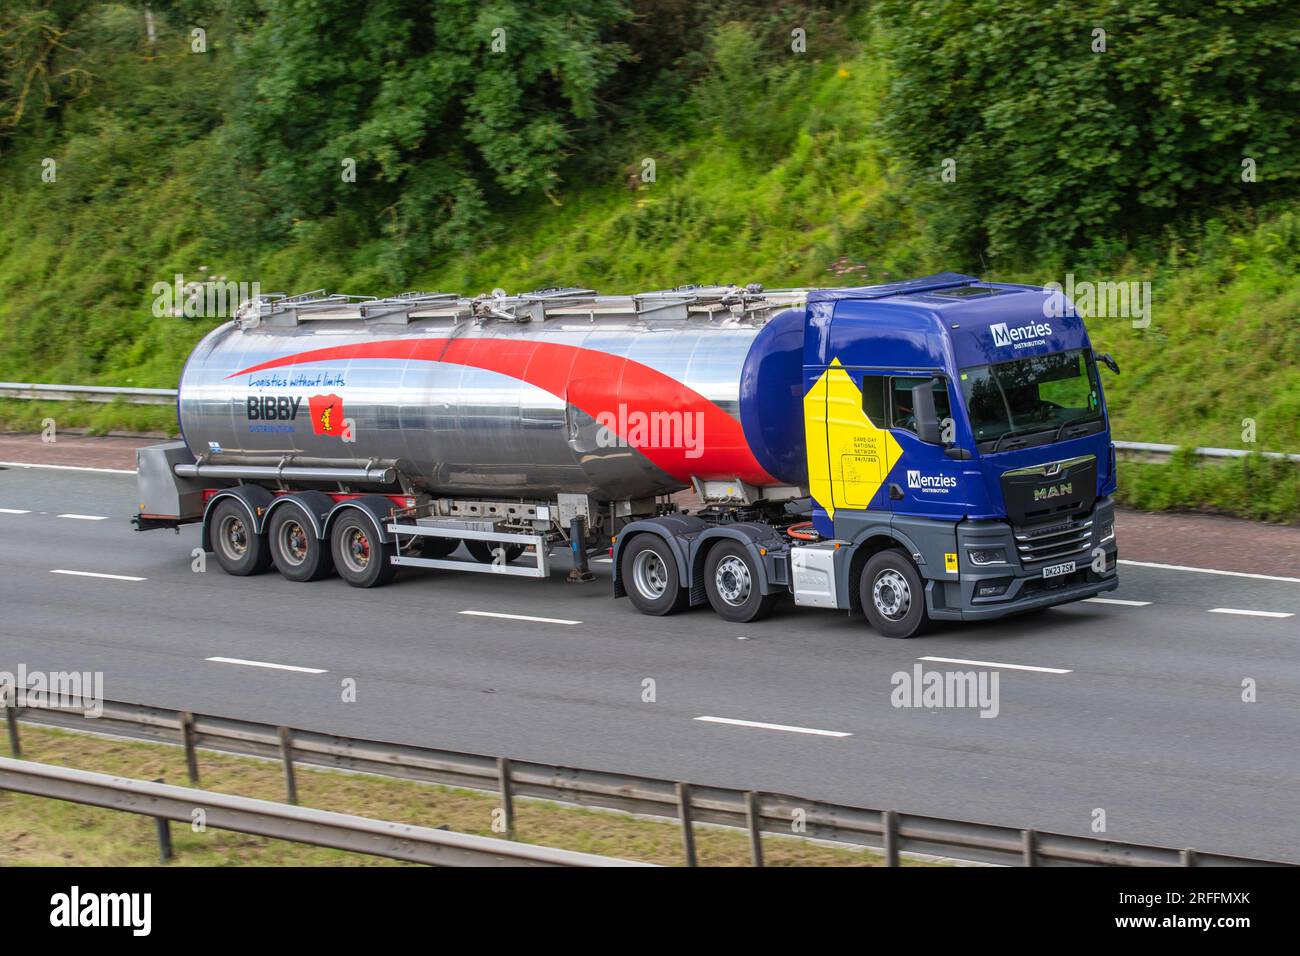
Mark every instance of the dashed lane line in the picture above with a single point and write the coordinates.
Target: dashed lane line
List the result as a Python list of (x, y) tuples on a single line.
[(765, 726)]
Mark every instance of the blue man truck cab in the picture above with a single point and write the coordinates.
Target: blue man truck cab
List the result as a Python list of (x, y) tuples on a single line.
[(958, 457)]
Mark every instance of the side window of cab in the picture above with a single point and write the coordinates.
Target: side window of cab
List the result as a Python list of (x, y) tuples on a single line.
[(901, 413)]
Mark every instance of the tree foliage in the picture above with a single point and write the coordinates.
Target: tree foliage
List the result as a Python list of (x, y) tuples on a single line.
[(1059, 144), (443, 106)]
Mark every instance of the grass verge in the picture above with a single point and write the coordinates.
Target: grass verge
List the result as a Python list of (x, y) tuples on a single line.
[(39, 832), (1255, 487)]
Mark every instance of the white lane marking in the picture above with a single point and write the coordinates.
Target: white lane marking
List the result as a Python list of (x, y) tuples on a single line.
[(1234, 574), (277, 667), (1012, 667), (96, 574), (520, 617), (30, 464), (602, 560), (786, 727), (1118, 601), (86, 517), (13, 511), (1237, 610)]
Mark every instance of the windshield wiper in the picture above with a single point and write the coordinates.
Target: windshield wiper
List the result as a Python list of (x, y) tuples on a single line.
[(1073, 421), (1009, 434)]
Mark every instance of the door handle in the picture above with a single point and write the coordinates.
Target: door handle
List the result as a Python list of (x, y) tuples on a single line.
[(895, 491)]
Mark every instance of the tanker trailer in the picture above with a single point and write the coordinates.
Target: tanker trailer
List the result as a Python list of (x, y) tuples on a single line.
[(342, 434)]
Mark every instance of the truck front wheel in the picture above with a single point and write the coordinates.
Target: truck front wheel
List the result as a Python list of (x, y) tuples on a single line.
[(240, 550), (893, 595), (360, 557), (649, 573), (732, 583)]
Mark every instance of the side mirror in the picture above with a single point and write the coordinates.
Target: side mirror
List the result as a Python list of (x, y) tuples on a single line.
[(928, 428), (1108, 360)]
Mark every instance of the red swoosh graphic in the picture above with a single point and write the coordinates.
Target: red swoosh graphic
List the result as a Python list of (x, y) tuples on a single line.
[(596, 382)]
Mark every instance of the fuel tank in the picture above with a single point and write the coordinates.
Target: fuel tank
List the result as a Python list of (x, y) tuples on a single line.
[(616, 397)]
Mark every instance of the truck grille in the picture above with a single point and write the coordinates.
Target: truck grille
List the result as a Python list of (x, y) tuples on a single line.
[(1054, 542)]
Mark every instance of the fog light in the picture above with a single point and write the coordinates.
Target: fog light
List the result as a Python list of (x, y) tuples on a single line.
[(988, 556), (991, 589)]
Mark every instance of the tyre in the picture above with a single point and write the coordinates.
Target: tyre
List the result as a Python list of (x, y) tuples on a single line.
[(732, 582), (893, 595), (239, 549), (485, 551), (298, 554), (431, 547), (649, 573), (359, 556)]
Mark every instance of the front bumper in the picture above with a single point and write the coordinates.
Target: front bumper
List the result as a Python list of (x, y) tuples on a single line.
[(1017, 584)]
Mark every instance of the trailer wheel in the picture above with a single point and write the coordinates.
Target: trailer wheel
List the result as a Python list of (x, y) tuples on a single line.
[(240, 550), (298, 554), (485, 551), (649, 573), (731, 580), (360, 557), (893, 595)]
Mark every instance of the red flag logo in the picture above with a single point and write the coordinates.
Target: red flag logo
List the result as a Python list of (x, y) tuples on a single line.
[(326, 414)]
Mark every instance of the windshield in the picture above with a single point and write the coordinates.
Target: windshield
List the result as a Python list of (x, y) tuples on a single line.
[(1031, 395)]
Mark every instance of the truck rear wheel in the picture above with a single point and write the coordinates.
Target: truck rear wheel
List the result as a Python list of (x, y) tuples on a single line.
[(485, 551), (360, 557), (732, 582), (298, 554), (240, 550), (893, 595), (648, 570)]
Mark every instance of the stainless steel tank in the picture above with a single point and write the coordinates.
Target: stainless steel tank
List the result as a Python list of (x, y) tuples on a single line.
[(615, 397)]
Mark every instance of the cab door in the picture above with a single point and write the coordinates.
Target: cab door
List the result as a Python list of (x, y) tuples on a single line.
[(922, 480), (858, 447)]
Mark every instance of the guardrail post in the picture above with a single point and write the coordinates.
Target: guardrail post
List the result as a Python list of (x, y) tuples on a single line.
[(889, 820), (286, 754), (754, 817), (507, 795), (1187, 858), (164, 830), (191, 755), (10, 697), (684, 812), (1029, 845)]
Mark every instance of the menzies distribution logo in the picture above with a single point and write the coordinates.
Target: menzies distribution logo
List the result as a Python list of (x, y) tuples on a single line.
[(940, 484), (1021, 336), (326, 414)]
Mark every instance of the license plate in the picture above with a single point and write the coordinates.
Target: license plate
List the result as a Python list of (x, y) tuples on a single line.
[(1056, 570)]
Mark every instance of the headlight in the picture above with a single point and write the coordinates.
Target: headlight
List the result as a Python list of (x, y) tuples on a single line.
[(987, 556), (1107, 531)]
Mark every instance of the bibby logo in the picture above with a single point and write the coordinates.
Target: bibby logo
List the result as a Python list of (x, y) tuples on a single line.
[(940, 483), (270, 408), (1021, 335)]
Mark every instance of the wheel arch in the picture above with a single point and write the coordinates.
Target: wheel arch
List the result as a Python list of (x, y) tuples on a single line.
[(675, 530), (254, 499), (316, 505), (754, 538), (863, 551), (376, 508)]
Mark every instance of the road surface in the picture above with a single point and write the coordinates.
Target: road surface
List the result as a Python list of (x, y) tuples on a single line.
[(1132, 708)]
